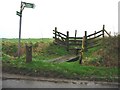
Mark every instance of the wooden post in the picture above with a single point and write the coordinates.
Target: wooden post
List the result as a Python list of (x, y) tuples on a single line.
[(103, 30), (95, 34), (67, 40), (55, 33), (80, 57), (85, 41), (75, 35), (28, 53)]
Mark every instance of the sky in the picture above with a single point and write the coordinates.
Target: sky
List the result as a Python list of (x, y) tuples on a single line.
[(66, 15)]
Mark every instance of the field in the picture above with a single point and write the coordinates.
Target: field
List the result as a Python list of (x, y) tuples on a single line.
[(94, 66)]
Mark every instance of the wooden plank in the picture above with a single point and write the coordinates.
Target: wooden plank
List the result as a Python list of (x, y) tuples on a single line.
[(107, 33), (98, 36), (61, 36), (98, 31), (91, 35), (63, 39), (73, 59), (94, 33), (95, 37), (67, 58), (76, 38), (59, 33)]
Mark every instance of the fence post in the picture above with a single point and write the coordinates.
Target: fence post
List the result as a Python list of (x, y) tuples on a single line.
[(75, 34), (95, 34), (80, 58), (85, 41), (55, 33), (28, 53), (67, 40), (103, 30)]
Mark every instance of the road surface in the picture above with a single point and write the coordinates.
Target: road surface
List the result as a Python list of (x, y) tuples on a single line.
[(47, 84), (16, 81)]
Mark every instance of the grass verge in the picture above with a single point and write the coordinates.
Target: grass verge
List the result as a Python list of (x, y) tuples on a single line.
[(45, 50)]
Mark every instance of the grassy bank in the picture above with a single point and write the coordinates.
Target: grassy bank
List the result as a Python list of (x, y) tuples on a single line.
[(61, 70), (43, 50), (104, 55)]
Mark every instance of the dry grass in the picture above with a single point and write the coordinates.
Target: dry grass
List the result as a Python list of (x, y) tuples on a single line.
[(104, 55)]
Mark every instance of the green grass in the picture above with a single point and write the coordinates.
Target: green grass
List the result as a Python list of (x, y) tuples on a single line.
[(30, 40), (66, 69), (49, 51), (90, 51), (42, 48)]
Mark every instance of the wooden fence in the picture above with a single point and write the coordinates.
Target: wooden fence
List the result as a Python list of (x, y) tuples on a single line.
[(86, 42), (65, 40), (93, 40), (59, 37)]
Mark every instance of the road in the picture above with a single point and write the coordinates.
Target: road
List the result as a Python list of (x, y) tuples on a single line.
[(16, 81), (46, 84)]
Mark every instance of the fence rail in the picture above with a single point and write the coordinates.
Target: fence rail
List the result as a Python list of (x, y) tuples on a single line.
[(95, 37), (75, 37), (59, 33), (94, 33)]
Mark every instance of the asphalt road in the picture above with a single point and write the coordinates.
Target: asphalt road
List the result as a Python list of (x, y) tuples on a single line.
[(18, 81), (46, 84)]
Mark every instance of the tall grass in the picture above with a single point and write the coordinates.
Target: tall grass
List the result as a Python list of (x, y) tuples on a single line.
[(104, 55)]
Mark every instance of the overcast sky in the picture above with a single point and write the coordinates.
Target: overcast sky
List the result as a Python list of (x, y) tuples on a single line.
[(66, 15)]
